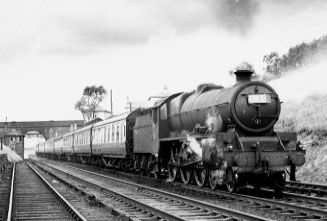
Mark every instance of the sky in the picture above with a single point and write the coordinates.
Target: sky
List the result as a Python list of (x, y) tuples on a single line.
[(50, 50)]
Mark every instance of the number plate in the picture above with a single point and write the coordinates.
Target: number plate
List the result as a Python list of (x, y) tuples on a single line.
[(259, 99)]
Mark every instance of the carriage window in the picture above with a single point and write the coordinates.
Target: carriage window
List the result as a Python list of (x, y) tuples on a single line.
[(109, 132), (124, 132), (113, 133), (117, 134), (98, 136), (102, 135), (154, 116), (95, 135), (119, 138), (121, 132), (105, 135)]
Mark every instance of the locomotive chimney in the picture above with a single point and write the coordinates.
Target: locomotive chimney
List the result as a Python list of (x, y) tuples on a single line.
[(243, 72)]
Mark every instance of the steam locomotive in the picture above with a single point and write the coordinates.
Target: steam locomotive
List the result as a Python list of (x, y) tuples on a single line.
[(221, 136)]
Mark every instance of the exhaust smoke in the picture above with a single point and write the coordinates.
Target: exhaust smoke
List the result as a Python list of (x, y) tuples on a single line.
[(12, 156)]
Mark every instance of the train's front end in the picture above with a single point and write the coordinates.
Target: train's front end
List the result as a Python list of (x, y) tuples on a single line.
[(234, 128), (253, 153)]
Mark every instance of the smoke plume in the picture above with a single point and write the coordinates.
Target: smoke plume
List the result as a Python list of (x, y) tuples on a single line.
[(12, 156)]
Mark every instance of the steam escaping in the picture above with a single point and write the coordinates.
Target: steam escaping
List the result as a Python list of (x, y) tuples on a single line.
[(12, 156), (194, 146), (305, 82), (215, 156), (214, 122), (217, 149)]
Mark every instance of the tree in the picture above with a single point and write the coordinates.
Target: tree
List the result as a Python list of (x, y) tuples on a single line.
[(88, 103), (297, 56), (273, 63)]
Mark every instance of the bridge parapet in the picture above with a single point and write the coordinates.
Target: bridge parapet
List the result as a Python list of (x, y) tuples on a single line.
[(48, 129)]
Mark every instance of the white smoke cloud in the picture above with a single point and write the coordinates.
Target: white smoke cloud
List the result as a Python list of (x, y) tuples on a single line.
[(299, 84), (214, 122), (11, 155), (194, 146)]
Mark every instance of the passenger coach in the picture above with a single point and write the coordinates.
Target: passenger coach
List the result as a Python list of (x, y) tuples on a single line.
[(106, 142)]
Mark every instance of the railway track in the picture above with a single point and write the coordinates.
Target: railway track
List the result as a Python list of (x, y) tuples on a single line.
[(306, 188), (291, 206), (141, 202), (33, 198)]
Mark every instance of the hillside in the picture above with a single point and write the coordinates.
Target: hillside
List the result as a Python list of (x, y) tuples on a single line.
[(309, 119), (300, 77)]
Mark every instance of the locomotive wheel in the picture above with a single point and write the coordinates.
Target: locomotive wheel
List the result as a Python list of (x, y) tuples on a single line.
[(185, 175), (231, 183), (200, 176), (279, 183), (213, 180), (172, 172)]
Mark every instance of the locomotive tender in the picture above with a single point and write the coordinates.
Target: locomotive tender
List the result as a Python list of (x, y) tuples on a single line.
[(221, 135)]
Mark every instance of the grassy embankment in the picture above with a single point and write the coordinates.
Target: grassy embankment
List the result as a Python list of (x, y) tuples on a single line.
[(309, 120)]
